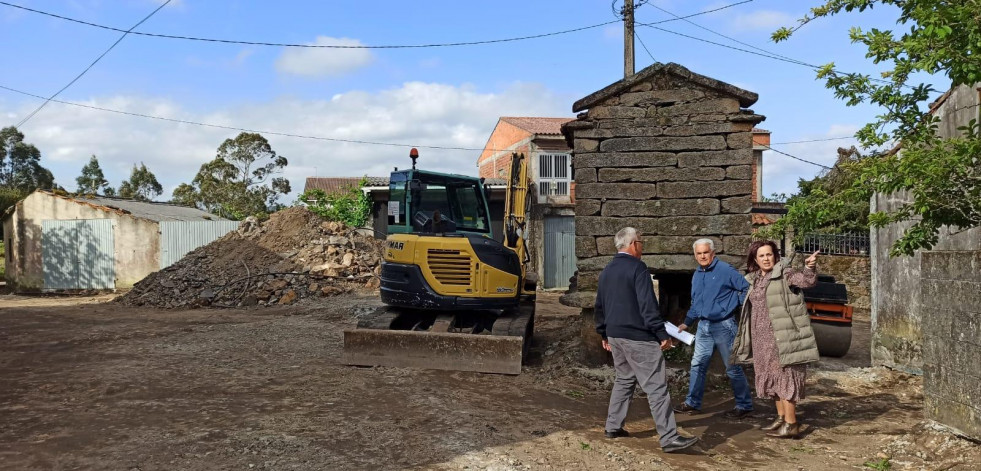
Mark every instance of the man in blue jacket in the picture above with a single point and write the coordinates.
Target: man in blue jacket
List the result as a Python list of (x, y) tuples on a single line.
[(627, 317), (717, 291)]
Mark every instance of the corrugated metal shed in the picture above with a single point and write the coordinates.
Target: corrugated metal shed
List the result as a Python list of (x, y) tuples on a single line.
[(149, 210), (178, 238)]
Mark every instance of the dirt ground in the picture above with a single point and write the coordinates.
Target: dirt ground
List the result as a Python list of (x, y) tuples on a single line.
[(88, 384)]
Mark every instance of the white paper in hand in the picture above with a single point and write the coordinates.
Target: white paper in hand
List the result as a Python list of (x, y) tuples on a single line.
[(684, 336)]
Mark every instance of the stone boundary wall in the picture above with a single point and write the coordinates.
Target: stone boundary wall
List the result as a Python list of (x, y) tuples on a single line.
[(854, 272), (951, 297)]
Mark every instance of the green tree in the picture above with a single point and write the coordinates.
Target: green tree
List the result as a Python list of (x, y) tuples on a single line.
[(92, 180), (942, 176), (142, 185), (20, 164), (240, 181), (352, 206)]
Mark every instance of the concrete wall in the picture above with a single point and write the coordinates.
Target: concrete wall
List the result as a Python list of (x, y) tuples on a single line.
[(897, 308), (951, 290), (137, 241)]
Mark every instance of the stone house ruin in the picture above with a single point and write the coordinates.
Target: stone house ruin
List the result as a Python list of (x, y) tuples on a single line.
[(670, 152)]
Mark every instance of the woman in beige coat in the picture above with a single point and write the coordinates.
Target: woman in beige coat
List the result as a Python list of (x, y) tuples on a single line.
[(775, 332)]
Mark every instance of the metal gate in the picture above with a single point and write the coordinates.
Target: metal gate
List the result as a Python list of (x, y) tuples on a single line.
[(78, 254), (560, 250), (178, 238)]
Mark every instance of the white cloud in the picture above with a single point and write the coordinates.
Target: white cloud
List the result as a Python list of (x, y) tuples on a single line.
[(413, 114), (324, 62), (766, 20)]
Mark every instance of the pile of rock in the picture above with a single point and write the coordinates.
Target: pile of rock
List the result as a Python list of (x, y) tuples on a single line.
[(292, 255)]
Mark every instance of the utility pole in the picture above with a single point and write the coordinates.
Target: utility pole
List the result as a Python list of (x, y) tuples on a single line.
[(628, 38)]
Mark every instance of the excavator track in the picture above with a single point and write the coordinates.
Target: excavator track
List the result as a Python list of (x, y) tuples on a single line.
[(481, 341)]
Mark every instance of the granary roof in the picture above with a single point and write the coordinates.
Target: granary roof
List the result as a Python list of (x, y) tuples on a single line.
[(150, 210), (536, 125), (746, 98)]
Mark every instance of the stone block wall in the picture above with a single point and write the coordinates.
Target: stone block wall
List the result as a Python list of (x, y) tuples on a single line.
[(854, 272), (670, 158), (951, 295)]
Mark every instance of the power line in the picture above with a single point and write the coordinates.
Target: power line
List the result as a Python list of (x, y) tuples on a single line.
[(724, 36), (645, 46), (768, 55), (723, 7), (798, 158), (97, 59), (814, 140), (234, 128), (339, 46)]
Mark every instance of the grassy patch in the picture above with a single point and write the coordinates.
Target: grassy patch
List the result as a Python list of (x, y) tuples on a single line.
[(575, 394), (881, 464), (585, 446)]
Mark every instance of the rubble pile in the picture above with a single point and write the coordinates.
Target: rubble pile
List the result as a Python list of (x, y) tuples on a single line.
[(292, 255)]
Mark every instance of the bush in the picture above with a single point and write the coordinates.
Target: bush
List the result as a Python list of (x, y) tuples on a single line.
[(351, 206)]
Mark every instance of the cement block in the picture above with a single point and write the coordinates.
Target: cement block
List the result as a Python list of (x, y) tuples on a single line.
[(632, 191), (704, 189), (617, 159), (717, 159), (682, 207), (659, 174), (688, 143)]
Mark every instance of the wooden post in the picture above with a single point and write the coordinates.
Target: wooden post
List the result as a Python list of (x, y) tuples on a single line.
[(628, 38)]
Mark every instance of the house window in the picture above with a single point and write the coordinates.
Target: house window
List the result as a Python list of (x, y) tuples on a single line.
[(554, 174)]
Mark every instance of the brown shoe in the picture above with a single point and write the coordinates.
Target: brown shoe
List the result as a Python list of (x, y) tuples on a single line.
[(775, 425), (786, 431)]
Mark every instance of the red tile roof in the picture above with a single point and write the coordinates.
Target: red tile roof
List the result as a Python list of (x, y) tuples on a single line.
[(332, 185), (537, 125)]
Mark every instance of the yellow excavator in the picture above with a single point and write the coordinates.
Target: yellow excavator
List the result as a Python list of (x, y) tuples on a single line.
[(456, 297)]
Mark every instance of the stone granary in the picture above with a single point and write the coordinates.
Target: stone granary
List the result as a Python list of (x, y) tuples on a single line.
[(670, 152)]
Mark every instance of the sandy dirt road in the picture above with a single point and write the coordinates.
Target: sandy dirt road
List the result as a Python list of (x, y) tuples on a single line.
[(90, 384)]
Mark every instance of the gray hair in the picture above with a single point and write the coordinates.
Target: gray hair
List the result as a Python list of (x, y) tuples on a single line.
[(708, 242), (625, 237)]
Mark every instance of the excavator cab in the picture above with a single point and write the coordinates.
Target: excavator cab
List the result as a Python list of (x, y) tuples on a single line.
[(456, 297)]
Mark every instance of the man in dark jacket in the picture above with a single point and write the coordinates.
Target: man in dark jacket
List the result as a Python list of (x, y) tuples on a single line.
[(627, 317), (717, 292)]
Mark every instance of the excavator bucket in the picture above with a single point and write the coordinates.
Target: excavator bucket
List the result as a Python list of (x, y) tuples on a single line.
[(437, 341), (433, 350)]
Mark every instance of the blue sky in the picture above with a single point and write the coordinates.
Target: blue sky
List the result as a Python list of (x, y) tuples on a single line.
[(443, 96)]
